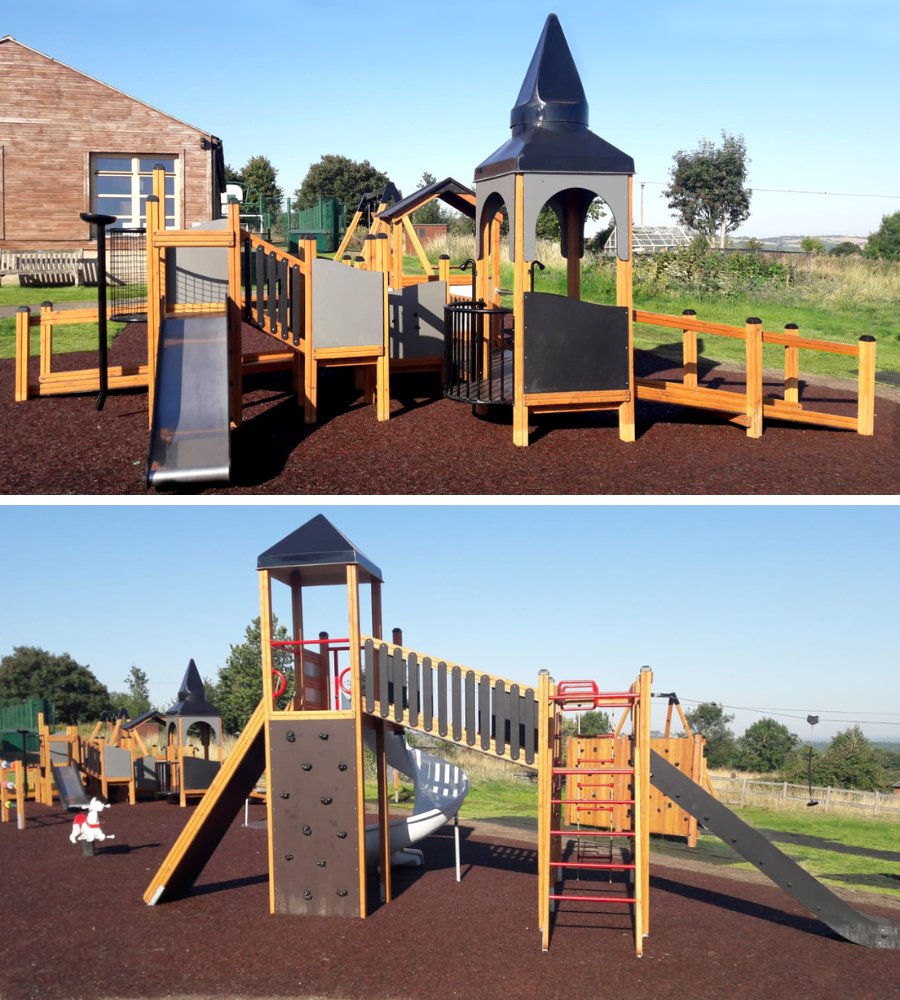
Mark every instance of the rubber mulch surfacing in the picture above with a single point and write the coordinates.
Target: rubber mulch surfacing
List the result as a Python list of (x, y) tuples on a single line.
[(62, 445), (76, 927)]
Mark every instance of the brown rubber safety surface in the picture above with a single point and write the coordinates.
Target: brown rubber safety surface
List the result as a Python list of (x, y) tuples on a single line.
[(76, 927), (62, 445)]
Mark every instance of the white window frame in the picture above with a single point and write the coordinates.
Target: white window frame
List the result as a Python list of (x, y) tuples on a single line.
[(137, 217)]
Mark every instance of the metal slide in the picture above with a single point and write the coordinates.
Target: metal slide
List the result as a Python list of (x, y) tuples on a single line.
[(71, 791), (760, 852), (190, 434), (440, 789)]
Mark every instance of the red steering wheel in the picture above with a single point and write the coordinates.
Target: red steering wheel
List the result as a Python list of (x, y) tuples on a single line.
[(343, 681), (281, 685)]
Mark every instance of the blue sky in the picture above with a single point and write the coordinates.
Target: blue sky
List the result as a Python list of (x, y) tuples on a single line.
[(810, 84), (787, 610)]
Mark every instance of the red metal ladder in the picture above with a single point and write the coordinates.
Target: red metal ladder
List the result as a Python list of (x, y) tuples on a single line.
[(579, 696)]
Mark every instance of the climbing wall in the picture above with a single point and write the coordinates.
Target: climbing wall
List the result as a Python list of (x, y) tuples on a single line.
[(315, 821)]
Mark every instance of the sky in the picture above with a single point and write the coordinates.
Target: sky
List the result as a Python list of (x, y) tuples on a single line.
[(771, 611), (810, 84)]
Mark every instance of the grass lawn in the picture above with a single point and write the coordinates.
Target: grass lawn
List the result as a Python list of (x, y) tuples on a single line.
[(66, 339)]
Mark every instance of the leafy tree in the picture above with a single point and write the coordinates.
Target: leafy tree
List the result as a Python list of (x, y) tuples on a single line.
[(854, 763), (232, 175), (547, 226), (595, 723), (31, 672), (810, 244), (885, 241), (710, 721), (765, 745), (136, 699), (707, 187), (434, 212), (239, 687), (260, 179), (336, 176), (844, 249)]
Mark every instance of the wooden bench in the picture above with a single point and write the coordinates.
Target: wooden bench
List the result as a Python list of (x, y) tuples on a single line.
[(47, 264)]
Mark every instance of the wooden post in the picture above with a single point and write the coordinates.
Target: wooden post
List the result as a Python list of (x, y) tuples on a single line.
[(397, 255), (865, 415), (299, 698), (792, 368), (23, 316), (235, 317), (307, 248), (520, 283), (46, 340), (754, 338), (642, 805), (383, 363), (444, 272), (356, 703), (689, 354), (545, 785), (154, 293)]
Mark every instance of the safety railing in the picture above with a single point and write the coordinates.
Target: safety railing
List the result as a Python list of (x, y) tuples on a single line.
[(750, 407), (275, 287), (478, 353)]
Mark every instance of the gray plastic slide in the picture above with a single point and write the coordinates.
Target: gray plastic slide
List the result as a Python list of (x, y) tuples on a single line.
[(190, 435), (782, 870), (71, 791)]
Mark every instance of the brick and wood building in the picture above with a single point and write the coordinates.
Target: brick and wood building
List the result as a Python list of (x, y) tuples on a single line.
[(71, 144)]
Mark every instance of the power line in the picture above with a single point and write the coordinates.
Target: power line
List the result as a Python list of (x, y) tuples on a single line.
[(831, 194), (783, 714)]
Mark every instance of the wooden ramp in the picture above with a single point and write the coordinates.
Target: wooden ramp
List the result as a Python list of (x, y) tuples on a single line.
[(212, 817)]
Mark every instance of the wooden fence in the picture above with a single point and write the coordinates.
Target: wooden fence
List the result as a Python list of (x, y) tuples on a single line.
[(742, 791)]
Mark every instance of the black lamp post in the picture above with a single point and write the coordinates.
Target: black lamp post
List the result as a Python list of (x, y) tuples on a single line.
[(101, 222)]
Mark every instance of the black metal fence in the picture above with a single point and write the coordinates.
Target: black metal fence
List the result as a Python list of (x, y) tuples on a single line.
[(478, 353), (127, 274)]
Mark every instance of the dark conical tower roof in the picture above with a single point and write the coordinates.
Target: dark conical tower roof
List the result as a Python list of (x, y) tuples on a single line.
[(320, 553), (549, 121), (551, 90), (192, 695)]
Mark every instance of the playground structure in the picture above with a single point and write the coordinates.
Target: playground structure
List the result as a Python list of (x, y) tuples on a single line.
[(543, 354), (603, 793), (12, 791), (310, 744)]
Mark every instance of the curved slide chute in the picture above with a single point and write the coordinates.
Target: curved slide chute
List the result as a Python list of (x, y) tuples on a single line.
[(440, 789), (842, 918)]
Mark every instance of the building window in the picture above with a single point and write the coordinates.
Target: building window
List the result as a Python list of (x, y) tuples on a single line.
[(120, 185)]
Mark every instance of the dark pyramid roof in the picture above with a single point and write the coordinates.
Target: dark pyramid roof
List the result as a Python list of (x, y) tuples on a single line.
[(549, 122), (192, 695), (551, 90), (448, 190), (320, 552)]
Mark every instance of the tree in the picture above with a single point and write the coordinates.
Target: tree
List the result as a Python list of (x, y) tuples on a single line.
[(844, 249), (261, 186), (432, 213), (31, 672), (811, 244), (710, 721), (233, 176), (853, 762), (707, 187), (136, 699), (548, 227), (765, 745), (884, 243), (339, 177), (239, 687)]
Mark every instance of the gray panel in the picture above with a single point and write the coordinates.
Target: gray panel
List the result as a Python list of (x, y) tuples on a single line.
[(416, 320), (116, 762), (484, 711), (501, 715), (315, 822), (442, 698), (199, 773), (529, 719), (427, 695), (347, 306), (197, 274), (412, 673), (470, 708), (574, 346), (190, 438), (456, 702), (505, 187), (145, 774), (399, 686), (383, 680), (369, 662), (514, 715), (540, 188)]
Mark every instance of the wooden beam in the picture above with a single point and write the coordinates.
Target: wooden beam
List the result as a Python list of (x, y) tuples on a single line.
[(356, 701), (866, 387), (520, 283), (754, 376)]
